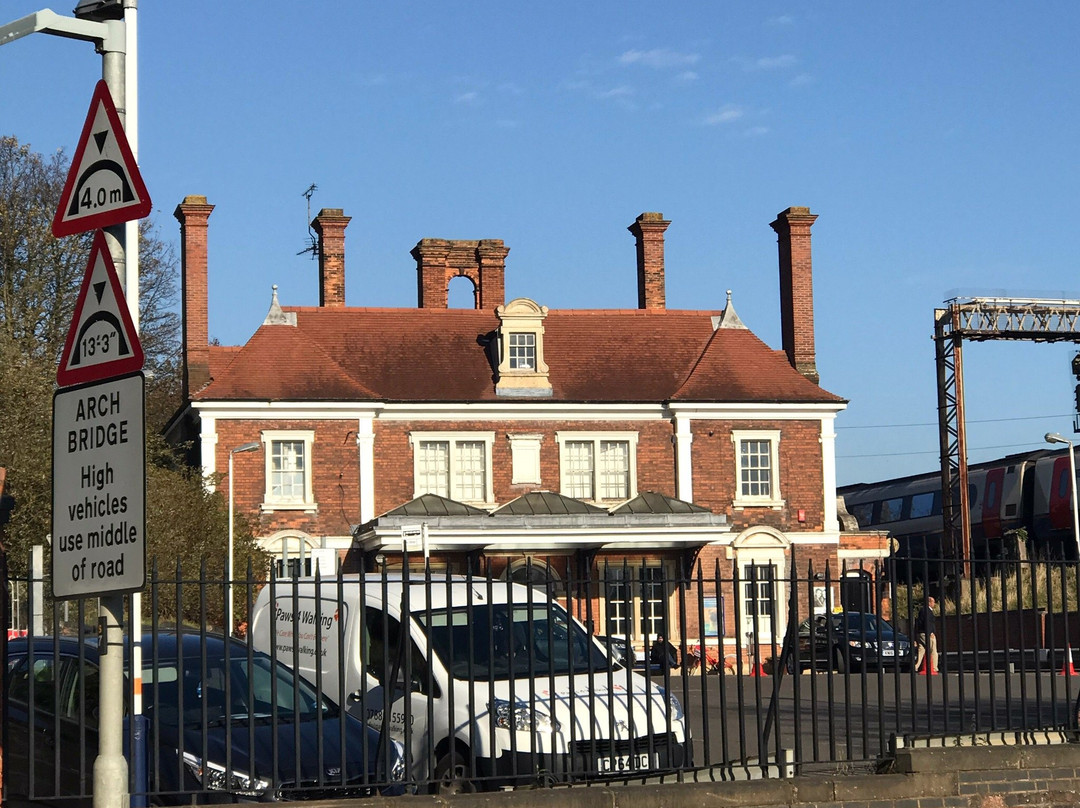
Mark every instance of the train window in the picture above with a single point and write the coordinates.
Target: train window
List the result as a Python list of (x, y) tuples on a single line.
[(922, 505), (973, 495), (1063, 483), (863, 513), (891, 509)]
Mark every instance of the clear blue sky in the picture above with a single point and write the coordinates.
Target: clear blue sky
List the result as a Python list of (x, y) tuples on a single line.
[(936, 141)]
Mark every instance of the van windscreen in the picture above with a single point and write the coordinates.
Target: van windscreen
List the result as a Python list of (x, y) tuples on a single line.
[(494, 640)]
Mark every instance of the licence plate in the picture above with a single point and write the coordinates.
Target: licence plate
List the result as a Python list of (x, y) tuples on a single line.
[(625, 763)]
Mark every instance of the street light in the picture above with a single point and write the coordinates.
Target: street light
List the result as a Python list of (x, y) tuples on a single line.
[(1053, 437), (247, 447)]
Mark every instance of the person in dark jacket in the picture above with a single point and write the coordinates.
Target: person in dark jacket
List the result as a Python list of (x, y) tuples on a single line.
[(925, 636), (663, 654)]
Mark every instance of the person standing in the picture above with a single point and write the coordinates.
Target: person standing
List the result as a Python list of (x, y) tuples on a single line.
[(926, 637)]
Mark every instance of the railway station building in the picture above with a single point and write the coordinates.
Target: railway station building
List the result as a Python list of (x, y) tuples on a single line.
[(515, 440)]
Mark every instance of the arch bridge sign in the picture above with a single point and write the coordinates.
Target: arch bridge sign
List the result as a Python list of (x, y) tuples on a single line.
[(99, 438)]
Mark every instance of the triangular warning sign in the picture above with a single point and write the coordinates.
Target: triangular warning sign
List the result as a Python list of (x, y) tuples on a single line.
[(102, 342), (104, 186)]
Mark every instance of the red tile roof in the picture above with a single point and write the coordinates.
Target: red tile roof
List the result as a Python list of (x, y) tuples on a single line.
[(442, 355)]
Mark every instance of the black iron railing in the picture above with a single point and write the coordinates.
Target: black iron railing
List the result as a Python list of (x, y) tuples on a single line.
[(466, 681)]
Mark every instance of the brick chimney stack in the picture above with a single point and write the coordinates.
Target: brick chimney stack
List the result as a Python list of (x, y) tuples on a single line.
[(648, 229), (792, 228), (194, 216), (439, 260), (330, 224)]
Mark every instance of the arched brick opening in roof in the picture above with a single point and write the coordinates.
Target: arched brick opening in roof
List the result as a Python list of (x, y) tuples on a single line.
[(461, 293)]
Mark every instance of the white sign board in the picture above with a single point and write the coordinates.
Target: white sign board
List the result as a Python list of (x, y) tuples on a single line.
[(99, 488)]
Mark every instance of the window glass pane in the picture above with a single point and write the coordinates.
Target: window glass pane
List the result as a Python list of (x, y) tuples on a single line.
[(755, 471), (614, 469), (470, 472), (433, 468), (578, 474), (758, 590), (863, 513), (618, 601), (891, 509), (652, 602), (523, 351), (287, 469), (922, 505)]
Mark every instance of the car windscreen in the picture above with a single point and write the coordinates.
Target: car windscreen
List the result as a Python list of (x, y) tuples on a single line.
[(236, 691), (495, 641), (857, 623)]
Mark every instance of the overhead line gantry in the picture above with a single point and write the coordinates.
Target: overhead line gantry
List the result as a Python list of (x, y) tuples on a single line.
[(980, 319)]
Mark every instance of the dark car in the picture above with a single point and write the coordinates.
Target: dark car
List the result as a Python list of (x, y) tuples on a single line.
[(620, 651), (204, 716), (848, 641)]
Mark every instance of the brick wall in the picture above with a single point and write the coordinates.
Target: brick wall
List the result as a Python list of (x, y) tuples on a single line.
[(799, 477), (1035, 776)]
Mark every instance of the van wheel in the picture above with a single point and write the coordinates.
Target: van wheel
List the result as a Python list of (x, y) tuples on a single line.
[(453, 774)]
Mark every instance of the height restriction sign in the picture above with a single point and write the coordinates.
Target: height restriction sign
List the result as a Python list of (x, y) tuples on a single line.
[(104, 186)]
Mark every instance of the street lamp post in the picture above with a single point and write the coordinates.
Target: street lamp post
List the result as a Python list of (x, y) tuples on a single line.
[(1053, 437), (247, 447)]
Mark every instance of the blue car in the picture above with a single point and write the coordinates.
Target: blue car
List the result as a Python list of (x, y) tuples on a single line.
[(218, 729)]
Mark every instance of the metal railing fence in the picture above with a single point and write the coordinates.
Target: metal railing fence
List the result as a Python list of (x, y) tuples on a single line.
[(715, 672)]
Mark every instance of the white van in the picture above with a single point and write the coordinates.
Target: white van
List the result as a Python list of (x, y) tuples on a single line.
[(504, 687)]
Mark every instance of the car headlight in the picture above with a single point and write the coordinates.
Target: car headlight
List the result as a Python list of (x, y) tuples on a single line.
[(855, 643), (676, 708), (217, 778), (522, 717)]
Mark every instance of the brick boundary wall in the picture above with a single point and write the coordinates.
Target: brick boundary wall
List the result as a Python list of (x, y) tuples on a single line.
[(1035, 776)]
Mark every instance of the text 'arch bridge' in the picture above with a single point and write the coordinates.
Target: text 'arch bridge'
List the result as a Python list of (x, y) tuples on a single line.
[(980, 319)]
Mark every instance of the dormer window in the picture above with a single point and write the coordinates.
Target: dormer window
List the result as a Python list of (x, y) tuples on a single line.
[(522, 370), (523, 351)]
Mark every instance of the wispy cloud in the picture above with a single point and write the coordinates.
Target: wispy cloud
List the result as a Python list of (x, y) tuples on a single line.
[(775, 62), (782, 19), (470, 98), (659, 58), (687, 76), (725, 115), (802, 80), (756, 131)]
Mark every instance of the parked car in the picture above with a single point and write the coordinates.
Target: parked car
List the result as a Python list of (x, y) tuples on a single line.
[(848, 641), (620, 650), (200, 743), (488, 685)]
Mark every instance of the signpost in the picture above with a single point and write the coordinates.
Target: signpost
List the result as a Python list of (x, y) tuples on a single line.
[(99, 489)]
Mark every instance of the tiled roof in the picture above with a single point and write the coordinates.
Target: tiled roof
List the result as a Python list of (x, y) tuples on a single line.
[(444, 355)]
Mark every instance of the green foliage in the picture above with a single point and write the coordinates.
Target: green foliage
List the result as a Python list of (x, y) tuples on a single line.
[(187, 526)]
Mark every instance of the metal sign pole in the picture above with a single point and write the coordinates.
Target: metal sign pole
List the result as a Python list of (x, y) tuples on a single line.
[(110, 768)]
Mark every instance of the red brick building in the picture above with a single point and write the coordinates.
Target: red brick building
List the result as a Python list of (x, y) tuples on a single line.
[(619, 445)]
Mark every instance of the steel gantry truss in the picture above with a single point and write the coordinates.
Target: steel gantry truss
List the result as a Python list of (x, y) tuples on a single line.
[(979, 319)]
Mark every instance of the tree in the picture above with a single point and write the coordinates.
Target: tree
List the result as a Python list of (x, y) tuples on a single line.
[(40, 277)]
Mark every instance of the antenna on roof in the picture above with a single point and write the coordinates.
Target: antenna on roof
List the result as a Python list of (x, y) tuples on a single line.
[(313, 247)]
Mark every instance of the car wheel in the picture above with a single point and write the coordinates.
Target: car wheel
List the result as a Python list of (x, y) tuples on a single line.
[(841, 661), (453, 773), (792, 665)]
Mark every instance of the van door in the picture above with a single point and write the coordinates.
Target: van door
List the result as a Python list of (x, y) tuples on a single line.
[(400, 691)]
